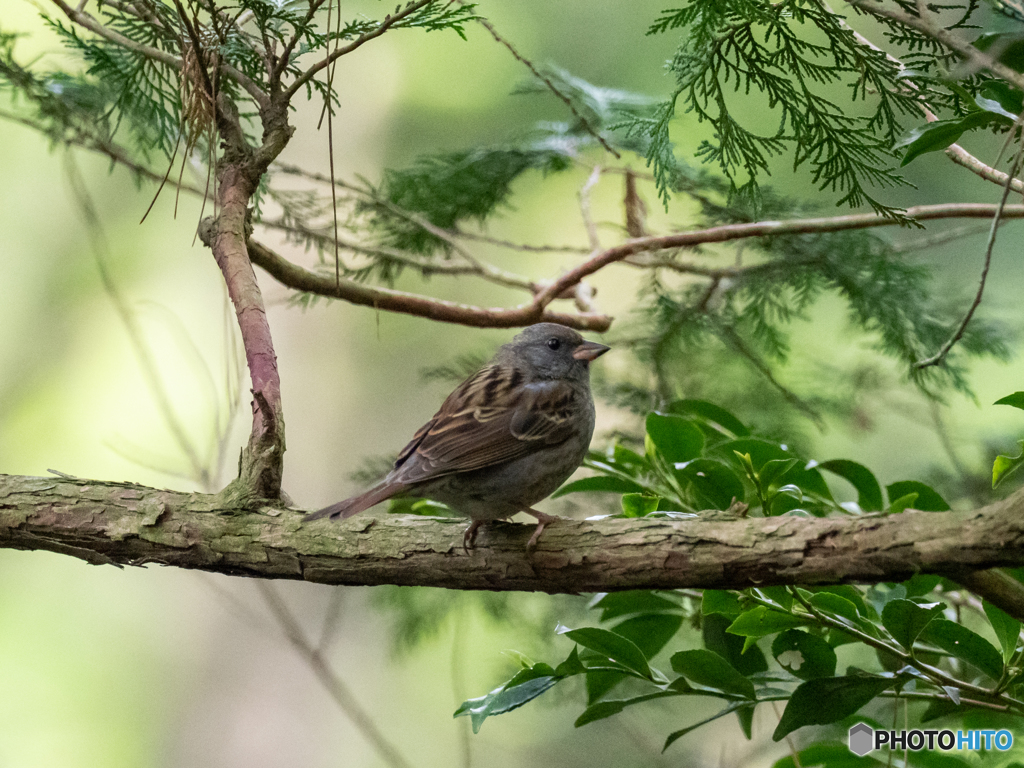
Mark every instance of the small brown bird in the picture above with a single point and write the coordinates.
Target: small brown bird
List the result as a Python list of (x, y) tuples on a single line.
[(506, 438)]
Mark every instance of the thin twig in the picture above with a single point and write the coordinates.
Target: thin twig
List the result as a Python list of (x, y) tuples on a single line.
[(584, 197), (388, 22), (944, 350), (142, 350), (547, 81), (479, 269), (731, 337), (329, 679)]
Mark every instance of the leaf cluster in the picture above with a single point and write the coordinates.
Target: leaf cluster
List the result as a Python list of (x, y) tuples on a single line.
[(772, 644)]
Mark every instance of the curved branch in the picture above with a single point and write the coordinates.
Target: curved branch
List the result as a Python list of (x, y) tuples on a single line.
[(124, 524), (301, 279), (728, 232)]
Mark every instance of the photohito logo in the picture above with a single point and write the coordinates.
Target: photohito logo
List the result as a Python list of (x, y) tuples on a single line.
[(864, 738)]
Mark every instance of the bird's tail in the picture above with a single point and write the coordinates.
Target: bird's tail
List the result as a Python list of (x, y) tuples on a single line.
[(357, 504)]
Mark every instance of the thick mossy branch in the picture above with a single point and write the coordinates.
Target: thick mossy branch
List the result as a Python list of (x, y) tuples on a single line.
[(125, 524)]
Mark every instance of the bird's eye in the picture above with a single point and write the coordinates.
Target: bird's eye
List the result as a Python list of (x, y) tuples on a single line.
[(554, 343)]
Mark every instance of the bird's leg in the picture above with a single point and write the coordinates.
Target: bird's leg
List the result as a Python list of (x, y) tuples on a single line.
[(542, 521), (469, 537)]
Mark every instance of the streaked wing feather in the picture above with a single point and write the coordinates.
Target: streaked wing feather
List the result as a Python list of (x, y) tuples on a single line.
[(489, 419)]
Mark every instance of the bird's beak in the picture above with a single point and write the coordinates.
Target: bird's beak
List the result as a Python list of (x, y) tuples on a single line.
[(589, 350)]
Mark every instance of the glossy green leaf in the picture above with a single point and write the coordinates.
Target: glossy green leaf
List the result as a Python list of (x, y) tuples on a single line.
[(676, 735), (902, 504), (720, 601), (763, 451), (772, 470), (615, 647), (1016, 400), (639, 504), (928, 499), (707, 668), (1006, 627), (826, 700), (965, 645), (676, 438), (837, 604), (760, 621), (937, 135), (711, 413), (713, 482), (847, 592), (806, 656), (869, 492), (1009, 98), (527, 685), (745, 715), (599, 484), (1004, 465), (904, 619), (650, 632), (603, 709), (747, 661), (615, 604)]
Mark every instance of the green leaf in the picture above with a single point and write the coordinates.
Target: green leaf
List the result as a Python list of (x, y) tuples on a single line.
[(639, 504), (1004, 465), (611, 645), (599, 484), (650, 632), (902, 504), (1006, 627), (772, 470), (676, 735), (745, 715), (848, 592), (761, 621), (711, 481), (803, 654), (965, 645), (720, 601), (936, 136), (928, 499), (869, 492), (603, 709), (833, 603), (732, 648), (1009, 98), (826, 700), (763, 451), (1016, 400), (677, 439), (905, 619), (715, 415), (527, 685), (707, 668), (615, 604)]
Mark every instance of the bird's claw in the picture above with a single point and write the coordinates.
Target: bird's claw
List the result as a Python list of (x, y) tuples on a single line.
[(542, 522), (469, 537)]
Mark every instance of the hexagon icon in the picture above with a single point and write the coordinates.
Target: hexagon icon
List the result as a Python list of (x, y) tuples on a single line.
[(862, 739)]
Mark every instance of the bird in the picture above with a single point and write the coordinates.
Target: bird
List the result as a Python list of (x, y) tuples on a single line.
[(505, 439)]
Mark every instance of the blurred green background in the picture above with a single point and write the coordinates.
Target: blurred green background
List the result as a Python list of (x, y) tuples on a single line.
[(157, 667)]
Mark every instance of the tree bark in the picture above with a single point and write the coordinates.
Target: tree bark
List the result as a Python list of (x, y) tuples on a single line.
[(126, 524)]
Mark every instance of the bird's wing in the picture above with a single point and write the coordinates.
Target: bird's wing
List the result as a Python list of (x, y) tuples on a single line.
[(491, 418)]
